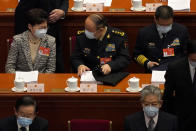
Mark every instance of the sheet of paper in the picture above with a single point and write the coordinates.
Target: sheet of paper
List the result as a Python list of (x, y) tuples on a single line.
[(158, 77), (106, 2), (31, 76), (179, 4), (87, 76)]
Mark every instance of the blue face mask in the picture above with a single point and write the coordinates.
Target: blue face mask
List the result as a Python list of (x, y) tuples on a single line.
[(151, 111), (24, 122), (89, 34), (164, 29)]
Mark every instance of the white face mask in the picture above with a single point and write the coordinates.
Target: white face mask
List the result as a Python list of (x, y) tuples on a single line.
[(40, 33), (193, 63), (164, 29), (89, 34)]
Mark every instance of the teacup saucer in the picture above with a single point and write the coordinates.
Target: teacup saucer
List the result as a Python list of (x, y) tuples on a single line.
[(75, 9), (133, 90), (72, 90), (15, 90), (138, 9)]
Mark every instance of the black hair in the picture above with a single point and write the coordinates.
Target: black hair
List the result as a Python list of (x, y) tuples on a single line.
[(164, 12), (191, 46), (36, 16), (99, 20), (26, 100)]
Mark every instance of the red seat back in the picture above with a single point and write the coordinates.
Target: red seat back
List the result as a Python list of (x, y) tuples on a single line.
[(90, 125)]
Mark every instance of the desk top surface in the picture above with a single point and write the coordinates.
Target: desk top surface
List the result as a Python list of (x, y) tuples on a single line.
[(125, 4), (55, 83)]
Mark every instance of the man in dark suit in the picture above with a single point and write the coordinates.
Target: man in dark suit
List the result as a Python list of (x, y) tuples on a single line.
[(56, 10), (162, 42), (180, 89), (151, 119), (25, 118)]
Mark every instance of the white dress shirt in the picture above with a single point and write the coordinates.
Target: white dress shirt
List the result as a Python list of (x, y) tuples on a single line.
[(147, 120), (192, 71), (19, 126)]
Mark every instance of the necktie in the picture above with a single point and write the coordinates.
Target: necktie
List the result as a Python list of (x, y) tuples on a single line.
[(150, 125), (23, 129), (164, 35)]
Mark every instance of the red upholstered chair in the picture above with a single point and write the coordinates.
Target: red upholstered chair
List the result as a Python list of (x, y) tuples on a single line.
[(72, 42), (89, 125)]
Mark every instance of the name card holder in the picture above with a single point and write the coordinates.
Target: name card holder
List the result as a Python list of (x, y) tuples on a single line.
[(94, 7), (88, 86), (33, 87), (151, 7)]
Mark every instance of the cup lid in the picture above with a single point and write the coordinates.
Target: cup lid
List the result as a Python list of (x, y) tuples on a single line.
[(72, 79), (19, 79), (134, 79)]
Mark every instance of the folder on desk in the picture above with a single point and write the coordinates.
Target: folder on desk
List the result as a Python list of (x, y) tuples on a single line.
[(111, 79)]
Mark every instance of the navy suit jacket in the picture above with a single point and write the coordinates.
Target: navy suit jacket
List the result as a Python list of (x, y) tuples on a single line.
[(10, 124), (180, 94), (136, 122)]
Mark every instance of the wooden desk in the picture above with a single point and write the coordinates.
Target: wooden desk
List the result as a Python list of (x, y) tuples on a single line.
[(58, 106)]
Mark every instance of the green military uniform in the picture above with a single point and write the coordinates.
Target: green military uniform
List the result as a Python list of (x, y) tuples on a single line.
[(112, 49)]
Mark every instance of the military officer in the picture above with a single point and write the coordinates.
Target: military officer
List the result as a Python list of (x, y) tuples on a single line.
[(100, 47), (161, 42)]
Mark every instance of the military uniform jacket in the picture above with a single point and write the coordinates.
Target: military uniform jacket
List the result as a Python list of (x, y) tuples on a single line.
[(149, 45), (90, 52)]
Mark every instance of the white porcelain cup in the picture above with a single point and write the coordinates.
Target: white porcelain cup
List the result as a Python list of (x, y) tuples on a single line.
[(78, 4), (133, 83), (72, 83), (136, 4), (19, 84)]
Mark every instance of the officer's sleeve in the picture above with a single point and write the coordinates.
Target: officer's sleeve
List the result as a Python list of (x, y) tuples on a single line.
[(168, 96), (138, 52), (76, 57), (123, 58), (64, 5)]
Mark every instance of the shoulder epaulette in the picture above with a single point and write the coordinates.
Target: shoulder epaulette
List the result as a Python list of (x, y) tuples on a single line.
[(117, 32), (80, 32)]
